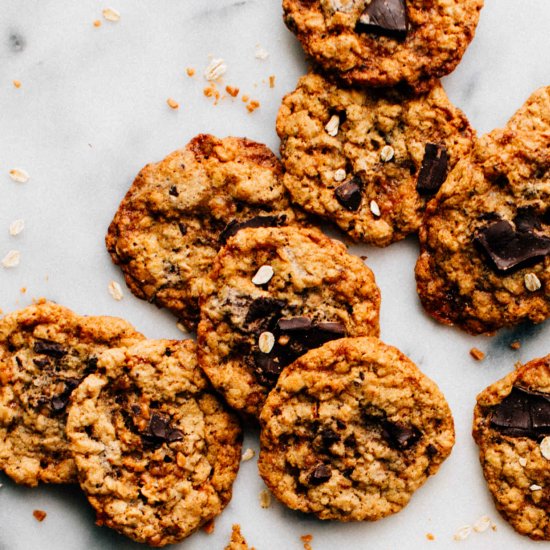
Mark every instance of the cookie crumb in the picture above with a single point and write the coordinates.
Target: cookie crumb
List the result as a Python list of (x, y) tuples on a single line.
[(215, 69), (544, 447), (17, 83), (209, 527), (263, 275), (532, 282), (172, 103), (272, 81), (190, 71), (375, 209), (332, 126), (212, 91), (97, 23), (252, 106), (245, 98), (516, 344), (39, 515), (387, 153), (23, 290), (110, 14), (115, 290), (306, 539), (482, 524), (232, 91), (11, 259), (19, 175), (463, 533), (16, 227), (261, 53), (237, 541), (248, 455), (477, 354), (265, 498), (430, 536)]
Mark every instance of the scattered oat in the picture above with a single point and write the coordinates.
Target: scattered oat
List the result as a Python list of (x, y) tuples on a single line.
[(97, 23), (232, 91), (544, 446), (265, 498), (17, 83), (387, 153), (209, 527), (245, 98), (272, 81), (172, 103), (532, 282), (482, 524), (463, 533), (115, 290), (516, 344), (23, 290), (333, 125), (306, 539), (215, 69), (252, 106), (19, 175), (181, 328), (248, 455), (110, 14), (266, 341), (261, 53), (16, 227), (340, 175), (477, 354), (375, 209), (263, 275), (430, 536), (190, 71), (40, 515), (11, 259), (535, 487), (522, 461)]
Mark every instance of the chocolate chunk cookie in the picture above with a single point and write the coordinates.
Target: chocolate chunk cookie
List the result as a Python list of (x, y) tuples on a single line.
[(46, 350), (156, 451), (369, 159), (512, 430), (351, 430), (534, 115), (273, 294), (485, 245), (384, 42), (178, 213)]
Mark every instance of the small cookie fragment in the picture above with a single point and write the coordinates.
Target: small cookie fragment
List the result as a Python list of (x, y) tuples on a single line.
[(156, 450), (39, 515), (237, 541), (477, 354), (351, 430), (248, 332), (511, 426)]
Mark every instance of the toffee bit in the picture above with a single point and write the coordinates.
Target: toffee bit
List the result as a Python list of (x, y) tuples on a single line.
[(306, 539), (516, 344), (430, 536), (97, 23), (39, 515), (17, 83), (477, 354), (252, 106), (172, 103), (190, 71), (232, 91)]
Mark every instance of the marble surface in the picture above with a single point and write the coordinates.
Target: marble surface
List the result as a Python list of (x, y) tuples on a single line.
[(91, 111)]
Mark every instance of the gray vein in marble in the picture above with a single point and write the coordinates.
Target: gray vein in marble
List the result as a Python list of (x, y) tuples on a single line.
[(16, 42)]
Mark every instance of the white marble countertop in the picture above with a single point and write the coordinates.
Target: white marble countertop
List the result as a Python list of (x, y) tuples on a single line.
[(91, 111)]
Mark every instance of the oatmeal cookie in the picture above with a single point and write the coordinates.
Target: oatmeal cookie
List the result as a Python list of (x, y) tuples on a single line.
[(485, 245), (45, 352), (384, 42), (274, 293), (534, 114), (351, 430), (178, 212), (369, 159), (512, 429), (156, 450)]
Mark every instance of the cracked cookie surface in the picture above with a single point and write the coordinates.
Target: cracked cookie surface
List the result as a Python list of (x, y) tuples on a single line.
[(431, 43), (351, 430), (178, 212), (156, 450), (512, 429), (274, 293), (357, 156), (46, 350)]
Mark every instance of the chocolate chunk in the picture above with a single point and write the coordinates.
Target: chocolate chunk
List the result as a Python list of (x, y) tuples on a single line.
[(173, 191), (523, 413), (233, 227), (398, 435), (349, 195), (508, 248), (183, 228), (294, 324), (526, 220), (60, 402), (433, 170), (329, 437), (159, 431), (41, 362), (385, 17), (321, 474), (47, 347), (268, 368), (262, 314)]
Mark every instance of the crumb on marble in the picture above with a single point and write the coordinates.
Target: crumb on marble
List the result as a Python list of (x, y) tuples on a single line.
[(212, 91), (110, 14), (477, 354), (272, 81), (172, 103), (209, 527), (306, 539), (265, 498), (17, 83), (516, 344), (261, 53), (232, 91), (190, 71), (23, 290), (430, 536), (253, 105), (39, 515), (245, 98), (97, 23)]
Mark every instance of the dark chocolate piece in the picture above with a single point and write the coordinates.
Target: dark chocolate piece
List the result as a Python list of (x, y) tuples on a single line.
[(433, 170), (47, 347), (294, 324), (321, 474), (60, 402), (522, 413), (160, 431), (183, 228), (233, 227), (268, 368), (329, 437), (386, 17), (508, 248), (398, 435), (349, 194), (262, 314), (173, 191)]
